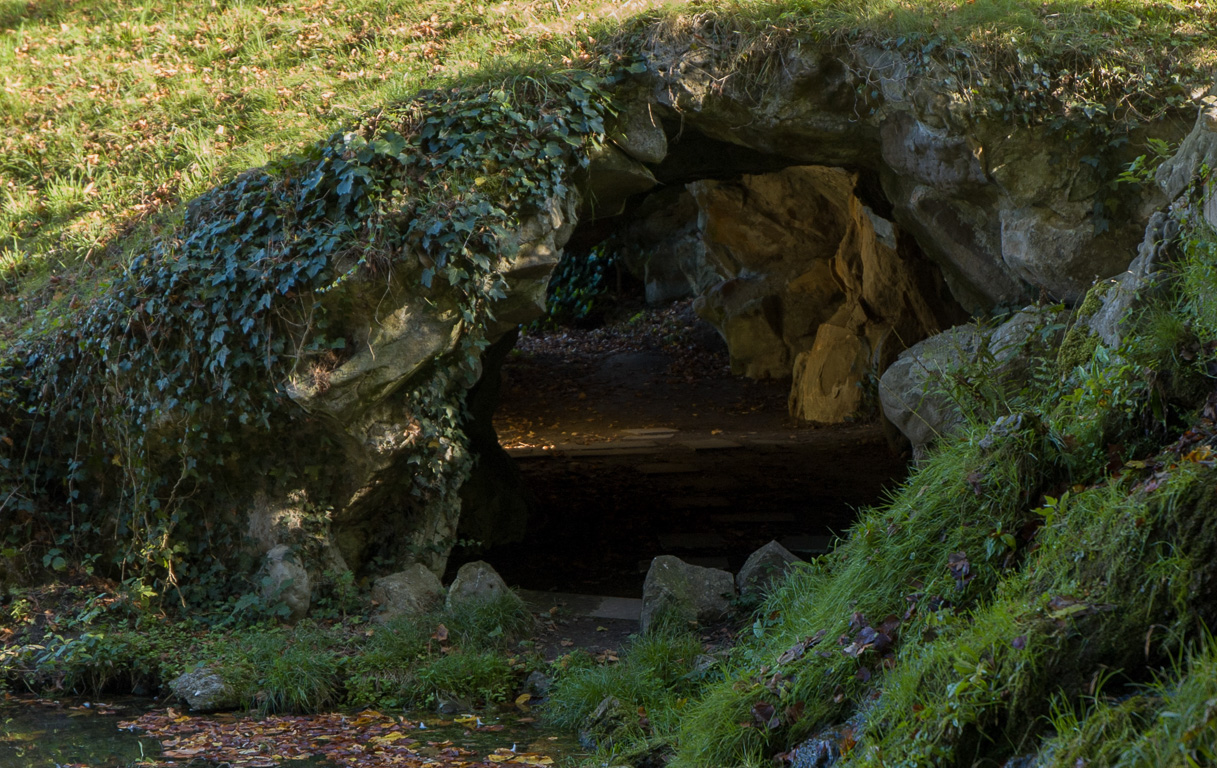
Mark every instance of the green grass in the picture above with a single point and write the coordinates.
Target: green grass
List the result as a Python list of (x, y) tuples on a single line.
[(94, 644), (652, 685), (111, 115)]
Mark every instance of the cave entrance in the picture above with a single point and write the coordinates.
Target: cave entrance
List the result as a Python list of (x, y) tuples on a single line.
[(722, 392)]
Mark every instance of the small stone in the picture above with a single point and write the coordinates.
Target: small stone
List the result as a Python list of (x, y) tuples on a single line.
[(537, 684), (640, 134), (687, 592), (451, 705), (764, 567), (411, 592), (205, 690), (598, 728), (287, 582)]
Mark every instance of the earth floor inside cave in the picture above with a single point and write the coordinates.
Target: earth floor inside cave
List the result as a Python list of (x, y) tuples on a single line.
[(636, 440)]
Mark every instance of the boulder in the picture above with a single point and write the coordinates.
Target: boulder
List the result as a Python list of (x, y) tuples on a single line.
[(478, 582), (205, 690), (286, 581), (597, 729), (685, 592), (921, 392), (611, 178), (763, 568), (411, 592), (639, 133), (913, 391)]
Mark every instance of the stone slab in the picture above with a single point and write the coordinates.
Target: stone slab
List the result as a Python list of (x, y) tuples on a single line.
[(631, 448), (752, 517), (655, 433), (691, 541), (622, 448), (710, 444), (803, 544), (594, 606), (666, 468), (528, 453), (698, 502)]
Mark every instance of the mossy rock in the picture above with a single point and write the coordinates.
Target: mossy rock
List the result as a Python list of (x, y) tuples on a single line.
[(1080, 340)]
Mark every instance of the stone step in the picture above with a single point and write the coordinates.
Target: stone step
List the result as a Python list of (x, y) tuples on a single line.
[(592, 450), (752, 517), (697, 502), (808, 545), (700, 540), (666, 468), (594, 606), (710, 444), (653, 433)]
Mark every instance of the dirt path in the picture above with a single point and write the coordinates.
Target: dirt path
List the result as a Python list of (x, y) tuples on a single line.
[(637, 441)]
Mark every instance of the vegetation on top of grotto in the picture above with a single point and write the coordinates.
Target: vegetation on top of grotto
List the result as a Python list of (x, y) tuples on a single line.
[(128, 315), (1040, 589)]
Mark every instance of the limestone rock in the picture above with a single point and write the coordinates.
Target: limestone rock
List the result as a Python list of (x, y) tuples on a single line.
[(639, 133), (286, 581), (598, 728), (911, 390), (411, 592), (663, 247), (1198, 151), (611, 178), (828, 378), (812, 280), (205, 690), (1126, 290), (1057, 251), (915, 392), (762, 568), (685, 592), (478, 582)]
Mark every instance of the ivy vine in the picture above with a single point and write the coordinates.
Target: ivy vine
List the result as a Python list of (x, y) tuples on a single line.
[(124, 423)]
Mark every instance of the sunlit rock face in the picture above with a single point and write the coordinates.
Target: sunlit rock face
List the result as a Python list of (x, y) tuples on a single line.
[(848, 207), (814, 284), (1005, 212)]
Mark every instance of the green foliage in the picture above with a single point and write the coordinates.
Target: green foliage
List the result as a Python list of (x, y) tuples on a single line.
[(295, 670), (652, 684), (579, 285), (480, 678), (1168, 723), (494, 623), (188, 351)]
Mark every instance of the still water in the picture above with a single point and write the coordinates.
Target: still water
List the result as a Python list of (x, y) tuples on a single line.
[(37, 733)]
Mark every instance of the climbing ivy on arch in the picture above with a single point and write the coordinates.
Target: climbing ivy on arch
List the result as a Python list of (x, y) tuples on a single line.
[(122, 421)]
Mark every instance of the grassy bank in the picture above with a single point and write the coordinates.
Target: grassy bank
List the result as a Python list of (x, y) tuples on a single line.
[(89, 641), (1040, 588)]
